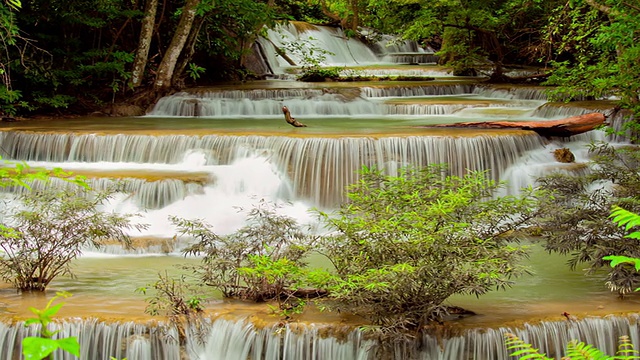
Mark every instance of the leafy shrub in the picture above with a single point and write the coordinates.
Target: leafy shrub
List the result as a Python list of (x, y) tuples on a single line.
[(261, 261), (404, 244), (50, 229), (173, 297), (575, 213)]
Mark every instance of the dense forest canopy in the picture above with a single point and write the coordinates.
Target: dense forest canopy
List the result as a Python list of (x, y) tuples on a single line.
[(108, 50)]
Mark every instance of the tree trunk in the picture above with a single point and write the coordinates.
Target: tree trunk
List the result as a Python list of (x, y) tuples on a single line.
[(247, 43), (144, 44), (189, 49), (561, 128), (355, 18), (168, 64)]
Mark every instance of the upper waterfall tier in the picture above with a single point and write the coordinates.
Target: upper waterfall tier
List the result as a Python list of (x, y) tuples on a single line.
[(335, 101), (303, 43)]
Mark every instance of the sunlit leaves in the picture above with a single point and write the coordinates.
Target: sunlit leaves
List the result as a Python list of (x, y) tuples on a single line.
[(404, 243), (40, 347)]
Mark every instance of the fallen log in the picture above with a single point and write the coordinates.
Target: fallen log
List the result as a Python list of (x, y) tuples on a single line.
[(560, 128), (291, 120)]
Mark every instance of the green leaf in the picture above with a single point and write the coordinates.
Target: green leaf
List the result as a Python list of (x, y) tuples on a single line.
[(49, 312), (70, 345), (35, 348), (618, 259)]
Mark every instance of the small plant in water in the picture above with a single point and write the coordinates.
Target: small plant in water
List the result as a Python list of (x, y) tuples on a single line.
[(42, 347), (173, 297)]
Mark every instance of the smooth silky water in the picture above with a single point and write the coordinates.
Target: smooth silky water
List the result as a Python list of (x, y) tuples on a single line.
[(206, 152)]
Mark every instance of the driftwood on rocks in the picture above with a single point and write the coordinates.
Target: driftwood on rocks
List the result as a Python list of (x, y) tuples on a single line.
[(561, 128), (291, 120)]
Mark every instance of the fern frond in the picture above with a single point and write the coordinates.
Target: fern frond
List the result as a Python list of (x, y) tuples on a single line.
[(578, 350), (624, 218), (523, 350), (626, 350)]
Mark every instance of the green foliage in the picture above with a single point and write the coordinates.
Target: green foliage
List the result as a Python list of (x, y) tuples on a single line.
[(51, 229), (522, 349), (15, 4), (575, 213), (404, 244), (596, 51), (261, 261), (20, 174), (320, 74), (312, 58), (194, 71), (231, 27), (36, 348), (575, 350), (62, 61), (467, 33), (173, 296), (628, 220)]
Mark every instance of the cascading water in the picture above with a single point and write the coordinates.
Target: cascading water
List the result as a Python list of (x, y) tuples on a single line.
[(232, 340), (300, 41), (185, 165), (318, 168)]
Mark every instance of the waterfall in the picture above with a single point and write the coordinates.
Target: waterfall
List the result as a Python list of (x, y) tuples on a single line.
[(341, 49), (100, 340), (145, 194), (319, 168), (240, 339), (366, 101), (419, 90)]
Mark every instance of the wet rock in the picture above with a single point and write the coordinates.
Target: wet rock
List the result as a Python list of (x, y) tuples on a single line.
[(564, 155)]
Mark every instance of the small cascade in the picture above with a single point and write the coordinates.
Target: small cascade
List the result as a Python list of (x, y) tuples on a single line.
[(230, 340), (419, 109), (427, 90), (145, 194), (411, 58), (617, 122), (390, 44), (235, 340), (341, 49), (424, 72), (183, 104), (521, 93), (100, 340), (540, 162), (268, 103), (255, 94), (553, 110)]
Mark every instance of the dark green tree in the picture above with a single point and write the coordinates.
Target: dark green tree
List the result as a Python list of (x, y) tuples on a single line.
[(468, 34), (404, 244), (596, 47)]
